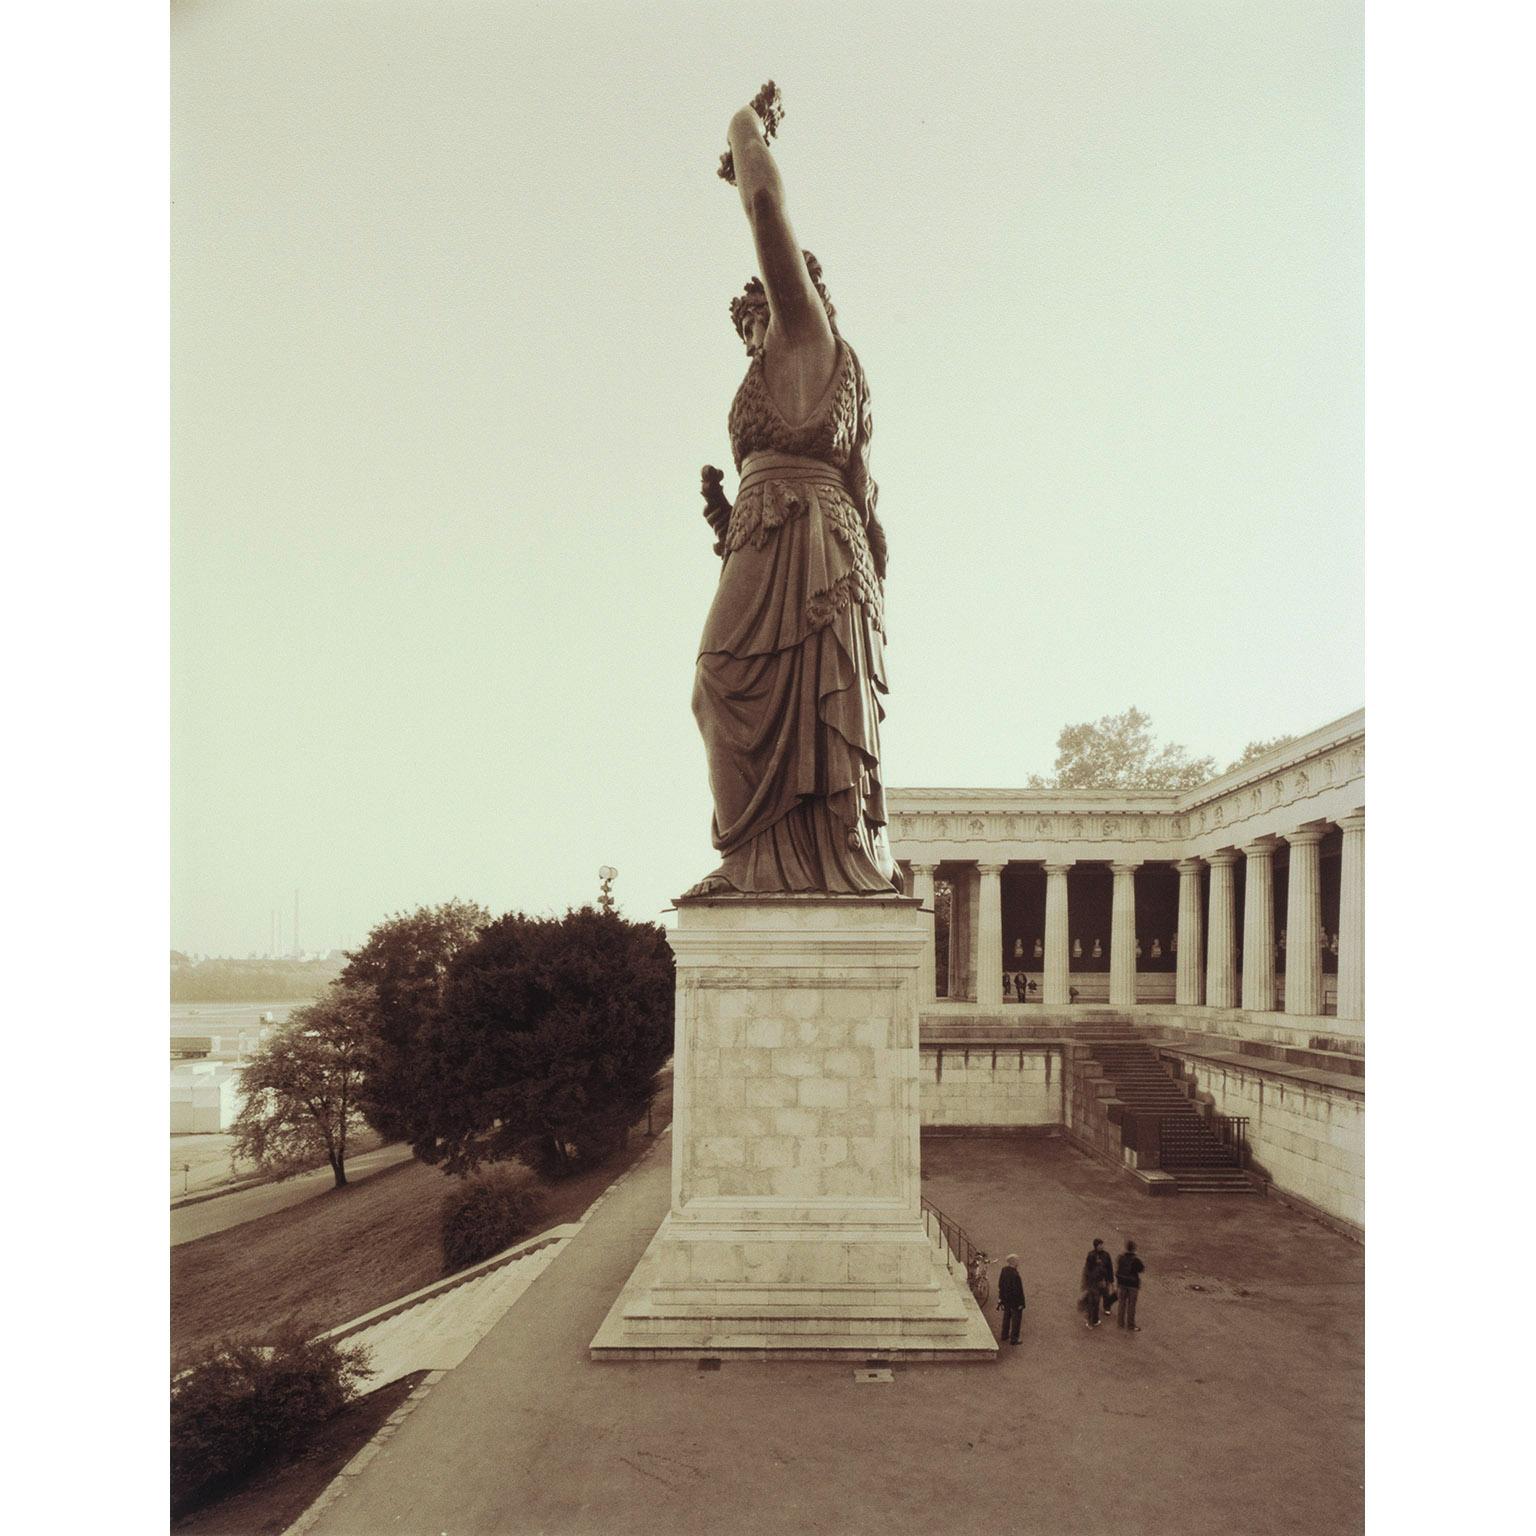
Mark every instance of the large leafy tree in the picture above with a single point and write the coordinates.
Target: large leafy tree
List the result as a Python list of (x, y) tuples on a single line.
[(1257, 749), (1120, 752), (548, 1042), (404, 963), (301, 1087)]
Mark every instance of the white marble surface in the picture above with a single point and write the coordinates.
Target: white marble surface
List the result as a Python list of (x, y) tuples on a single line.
[(795, 1206)]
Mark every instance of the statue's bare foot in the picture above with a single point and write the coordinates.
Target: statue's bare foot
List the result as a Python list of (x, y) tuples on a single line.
[(710, 885)]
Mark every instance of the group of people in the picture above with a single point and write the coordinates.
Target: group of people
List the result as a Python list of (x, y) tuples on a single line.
[(1110, 1282), (1107, 1284)]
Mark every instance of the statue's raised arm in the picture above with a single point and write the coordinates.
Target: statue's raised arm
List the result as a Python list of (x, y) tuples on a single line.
[(791, 670), (797, 317)]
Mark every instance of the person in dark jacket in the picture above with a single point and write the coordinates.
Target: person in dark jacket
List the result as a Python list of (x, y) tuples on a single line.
[(1098, 1277), (1128, 1268), (1010, 1298)]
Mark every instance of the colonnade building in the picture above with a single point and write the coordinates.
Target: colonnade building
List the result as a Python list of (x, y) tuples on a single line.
[(1224, 921)]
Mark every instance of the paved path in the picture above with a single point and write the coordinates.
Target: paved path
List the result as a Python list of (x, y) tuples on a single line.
[(209, 1216), (1236, 1410)]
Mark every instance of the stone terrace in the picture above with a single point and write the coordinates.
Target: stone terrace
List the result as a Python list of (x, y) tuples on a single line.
[(1238, 1408)]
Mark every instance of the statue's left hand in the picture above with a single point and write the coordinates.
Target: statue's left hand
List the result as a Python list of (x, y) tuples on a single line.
[(717, 509)]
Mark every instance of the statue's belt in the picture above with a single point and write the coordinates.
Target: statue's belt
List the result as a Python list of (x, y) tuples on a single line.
[(760, 468)]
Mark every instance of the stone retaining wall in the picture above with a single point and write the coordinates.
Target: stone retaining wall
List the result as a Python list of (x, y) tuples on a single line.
[(1309, 1139), (986, 1085)]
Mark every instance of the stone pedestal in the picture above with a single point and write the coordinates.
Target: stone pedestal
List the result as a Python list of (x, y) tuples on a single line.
[(795, 1229)]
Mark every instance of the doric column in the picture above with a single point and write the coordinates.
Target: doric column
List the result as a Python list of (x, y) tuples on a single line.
[(1259, 929), (1122, 936), (1186, 981), (962, 966), (1352, 918), (1303, 921), (1058, 979), (922, 888), (1221, 943), (989, 938), (966, 885)]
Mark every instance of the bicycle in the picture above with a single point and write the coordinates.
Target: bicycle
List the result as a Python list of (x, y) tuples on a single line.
[(976, 1278)]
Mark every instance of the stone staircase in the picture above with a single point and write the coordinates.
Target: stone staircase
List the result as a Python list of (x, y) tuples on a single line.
[(1106, 1029), (435, 1328), (1190, 1151)]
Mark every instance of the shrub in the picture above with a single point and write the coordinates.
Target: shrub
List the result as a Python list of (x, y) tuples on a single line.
[(237, 1403), (487, 1212)]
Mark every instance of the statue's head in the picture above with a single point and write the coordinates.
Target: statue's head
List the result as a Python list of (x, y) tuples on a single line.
[(749, 314), (749, 309)]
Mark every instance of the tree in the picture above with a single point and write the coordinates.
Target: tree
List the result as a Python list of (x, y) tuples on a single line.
[(1256, 749), (1119, 752), (548, 1041), (301, 1086), (403, 963)]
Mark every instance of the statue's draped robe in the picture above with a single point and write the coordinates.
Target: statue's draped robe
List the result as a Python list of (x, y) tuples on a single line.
[(791, 665)]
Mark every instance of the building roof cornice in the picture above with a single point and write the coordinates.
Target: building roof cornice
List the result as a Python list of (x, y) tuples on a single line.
[(1344, 731), (1326, 738)]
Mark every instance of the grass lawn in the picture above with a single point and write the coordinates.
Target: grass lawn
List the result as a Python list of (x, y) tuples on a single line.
[(346, 1251)]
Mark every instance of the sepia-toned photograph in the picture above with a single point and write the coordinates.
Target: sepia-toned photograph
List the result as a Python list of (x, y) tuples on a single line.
[(766, 681)]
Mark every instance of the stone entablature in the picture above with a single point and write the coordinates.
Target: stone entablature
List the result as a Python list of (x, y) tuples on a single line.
[(1317, 777)]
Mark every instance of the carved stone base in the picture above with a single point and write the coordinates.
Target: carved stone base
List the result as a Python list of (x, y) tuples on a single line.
[(795, 1229)]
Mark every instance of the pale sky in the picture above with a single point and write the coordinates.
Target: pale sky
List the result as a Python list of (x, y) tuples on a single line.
[(451, 341)]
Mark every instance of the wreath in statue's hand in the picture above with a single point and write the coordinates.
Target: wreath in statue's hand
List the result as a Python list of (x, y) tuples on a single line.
[(769, 106)]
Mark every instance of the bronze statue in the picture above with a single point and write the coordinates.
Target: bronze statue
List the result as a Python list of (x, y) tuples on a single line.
[(791, 666)]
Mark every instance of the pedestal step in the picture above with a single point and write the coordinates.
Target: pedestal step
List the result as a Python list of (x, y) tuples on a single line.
[(937, 1319)]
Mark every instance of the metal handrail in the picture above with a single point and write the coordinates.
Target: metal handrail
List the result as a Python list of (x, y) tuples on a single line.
[(1230, 1131), (957, 1241)]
